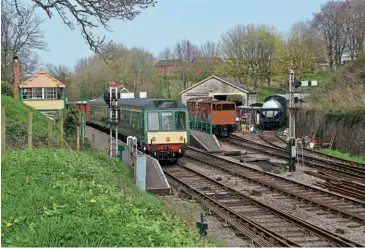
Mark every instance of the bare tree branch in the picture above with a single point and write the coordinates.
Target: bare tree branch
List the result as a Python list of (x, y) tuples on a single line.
[(20, 35), (89, 14)]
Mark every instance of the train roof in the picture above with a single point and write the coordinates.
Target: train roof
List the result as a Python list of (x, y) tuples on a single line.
[(143, 103), (146, 103), (215, 101)]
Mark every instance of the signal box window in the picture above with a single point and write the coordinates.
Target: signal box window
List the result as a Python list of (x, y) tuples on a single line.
[(180, 119), (153, 122), (167, 121)]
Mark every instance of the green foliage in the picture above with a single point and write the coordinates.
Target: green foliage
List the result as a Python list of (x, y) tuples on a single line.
[(6, 89), (71, 121), (48, 197), (262, 93), (316, 76), (17, 122), (339, 154)]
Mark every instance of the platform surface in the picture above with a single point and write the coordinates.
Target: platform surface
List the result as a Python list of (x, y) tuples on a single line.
[(205, 140), (156, 180)]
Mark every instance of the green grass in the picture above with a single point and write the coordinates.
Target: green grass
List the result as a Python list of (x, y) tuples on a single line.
[(317, 76), (262, 93), (338, 154), (17, 123), (46, 197)]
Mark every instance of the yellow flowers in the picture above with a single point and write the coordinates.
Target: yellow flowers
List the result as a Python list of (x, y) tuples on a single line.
[(8, 225), (93, 201)]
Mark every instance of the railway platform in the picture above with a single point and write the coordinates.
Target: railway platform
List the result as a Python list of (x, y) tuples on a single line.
[(156, 180), (204, 141)]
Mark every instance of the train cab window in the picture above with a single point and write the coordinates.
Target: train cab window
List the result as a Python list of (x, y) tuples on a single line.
[(228, 107), (166, 119), (153, 122), (180, 119)]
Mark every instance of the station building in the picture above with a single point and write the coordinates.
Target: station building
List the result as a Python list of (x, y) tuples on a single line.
[(221, 88)]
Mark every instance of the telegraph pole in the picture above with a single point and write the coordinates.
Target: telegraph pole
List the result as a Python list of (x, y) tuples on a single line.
[(292, 139)]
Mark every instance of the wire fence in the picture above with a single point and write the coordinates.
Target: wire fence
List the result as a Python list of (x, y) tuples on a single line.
[(15, 135)]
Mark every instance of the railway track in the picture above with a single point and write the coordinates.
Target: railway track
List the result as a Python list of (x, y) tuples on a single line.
[(274, 139), (352, 172), (266, 226), (304, 194)]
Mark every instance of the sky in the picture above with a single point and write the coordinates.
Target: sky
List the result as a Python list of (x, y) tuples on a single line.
[(173, 20)]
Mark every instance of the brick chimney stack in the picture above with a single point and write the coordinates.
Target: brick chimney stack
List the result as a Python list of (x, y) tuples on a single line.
[(16, 71)]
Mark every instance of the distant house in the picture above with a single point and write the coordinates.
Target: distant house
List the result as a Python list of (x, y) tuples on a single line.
[(205, 64), (168, 67), (43, 92)]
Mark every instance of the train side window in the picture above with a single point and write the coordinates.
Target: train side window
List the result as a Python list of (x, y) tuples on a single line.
[(153, 122), (215, 107), (166, 119), (228, 107), (180, 120)]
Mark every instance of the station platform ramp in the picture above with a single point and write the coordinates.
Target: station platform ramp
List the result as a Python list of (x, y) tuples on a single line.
[(156, 181), (204, 141)]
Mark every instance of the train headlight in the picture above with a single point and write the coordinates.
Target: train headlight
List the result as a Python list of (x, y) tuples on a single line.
[(181, 138), (153, 139), (144, 148), (167, 138)]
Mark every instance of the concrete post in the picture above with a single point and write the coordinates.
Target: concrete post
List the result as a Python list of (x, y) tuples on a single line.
[(141, 171)]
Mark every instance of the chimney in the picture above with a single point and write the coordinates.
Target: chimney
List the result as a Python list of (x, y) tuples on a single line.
[(16, 71)]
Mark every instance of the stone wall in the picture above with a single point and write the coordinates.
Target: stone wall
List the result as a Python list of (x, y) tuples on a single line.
[(349, 130)]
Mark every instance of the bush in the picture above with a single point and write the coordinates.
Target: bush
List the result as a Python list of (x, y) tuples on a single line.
[(6, 89), (71, 121), (47, 202)]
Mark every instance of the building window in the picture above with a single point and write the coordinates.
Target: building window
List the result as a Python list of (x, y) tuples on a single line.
[(53, 93), (153, 121), (42, 93), (32, 93)]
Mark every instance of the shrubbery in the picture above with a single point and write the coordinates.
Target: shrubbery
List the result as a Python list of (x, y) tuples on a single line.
[(6, 89)]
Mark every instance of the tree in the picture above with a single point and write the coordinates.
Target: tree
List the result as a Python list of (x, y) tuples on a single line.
[(89, 14), (61, 73), (143, 67), (20, 36), (185, 51), (209, 49), (356, 27), (332, 26), (250, 49)]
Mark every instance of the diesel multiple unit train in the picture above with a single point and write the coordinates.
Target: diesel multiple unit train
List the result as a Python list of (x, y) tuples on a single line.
[(161, 126)]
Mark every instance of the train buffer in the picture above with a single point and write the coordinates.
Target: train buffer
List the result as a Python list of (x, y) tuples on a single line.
[(204, 141), (156, 181)]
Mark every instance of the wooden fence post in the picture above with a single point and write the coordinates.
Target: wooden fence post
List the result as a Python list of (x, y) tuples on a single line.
[(78, 137), (30, 129), (3, 130), (61, 130), (50, 133), (93, 142)]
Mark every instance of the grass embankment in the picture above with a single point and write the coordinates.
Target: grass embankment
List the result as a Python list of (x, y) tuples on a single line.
[(343, 90), (48, 197), (17, 124), (339, 154)]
